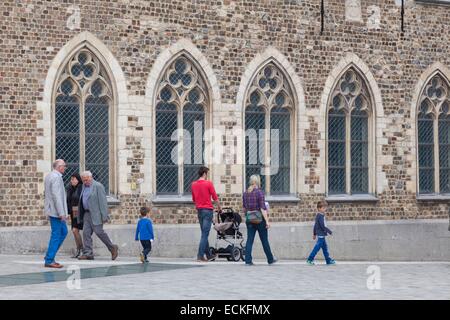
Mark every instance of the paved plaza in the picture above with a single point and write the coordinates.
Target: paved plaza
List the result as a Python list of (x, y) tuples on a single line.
[(23, 277)]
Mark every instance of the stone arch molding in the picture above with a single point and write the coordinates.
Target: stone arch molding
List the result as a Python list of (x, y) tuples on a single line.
[(112, 66), (432, 70), (182, 46), (272, 54), (348, 61)]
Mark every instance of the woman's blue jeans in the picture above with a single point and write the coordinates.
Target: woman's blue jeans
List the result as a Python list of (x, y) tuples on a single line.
[(263, 235), (205, 217)]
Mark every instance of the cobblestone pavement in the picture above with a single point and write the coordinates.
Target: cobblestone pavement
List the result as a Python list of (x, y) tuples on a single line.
[(23, 277)]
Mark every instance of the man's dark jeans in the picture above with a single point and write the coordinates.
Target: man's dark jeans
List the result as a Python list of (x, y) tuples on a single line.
[(263, 235), (147, 245), (205, 217)]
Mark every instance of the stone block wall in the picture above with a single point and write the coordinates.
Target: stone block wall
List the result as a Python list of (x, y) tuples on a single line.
[(229, 40)]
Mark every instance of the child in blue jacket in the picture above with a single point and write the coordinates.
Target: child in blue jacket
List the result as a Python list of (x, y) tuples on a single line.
[(144, 232), (321, 231)]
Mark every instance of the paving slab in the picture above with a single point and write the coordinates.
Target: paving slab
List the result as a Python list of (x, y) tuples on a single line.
[(24, 277)]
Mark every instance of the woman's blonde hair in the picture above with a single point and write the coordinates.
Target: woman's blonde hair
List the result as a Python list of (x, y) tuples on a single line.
[(255, 181)]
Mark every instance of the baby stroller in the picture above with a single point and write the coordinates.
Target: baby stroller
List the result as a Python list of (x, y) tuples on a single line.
[(227, 228)]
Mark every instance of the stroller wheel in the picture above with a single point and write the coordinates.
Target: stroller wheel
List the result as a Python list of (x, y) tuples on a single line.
[(236, 254)]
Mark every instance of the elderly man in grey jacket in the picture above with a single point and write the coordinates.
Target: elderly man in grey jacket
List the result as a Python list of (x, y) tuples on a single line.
[(55, 206), (93, 213)]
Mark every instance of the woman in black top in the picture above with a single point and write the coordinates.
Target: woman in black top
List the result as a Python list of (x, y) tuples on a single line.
[(73, 198)]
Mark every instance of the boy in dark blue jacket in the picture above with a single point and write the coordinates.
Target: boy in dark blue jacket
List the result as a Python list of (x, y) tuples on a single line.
[(321, 231), (144, 232)]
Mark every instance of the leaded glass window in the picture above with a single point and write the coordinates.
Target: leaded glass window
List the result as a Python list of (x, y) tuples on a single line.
[(433, 129), (82, 117), (269, 104), (348, 136), (181, 103)]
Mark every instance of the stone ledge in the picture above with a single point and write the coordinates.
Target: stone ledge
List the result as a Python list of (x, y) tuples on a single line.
[(282, 198), (112, 201), (433, 197), (172, 200), (352, 198)]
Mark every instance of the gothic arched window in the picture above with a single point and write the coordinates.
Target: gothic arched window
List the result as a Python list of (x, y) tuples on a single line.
[(433, 129), (83, 107), (269, 104), (349, 130), (182, 99)]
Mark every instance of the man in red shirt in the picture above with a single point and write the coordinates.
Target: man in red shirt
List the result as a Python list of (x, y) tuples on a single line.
[(202, 192)]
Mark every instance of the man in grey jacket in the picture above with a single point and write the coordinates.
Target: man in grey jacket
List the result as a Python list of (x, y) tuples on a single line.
[(93, 213), (55, 206)]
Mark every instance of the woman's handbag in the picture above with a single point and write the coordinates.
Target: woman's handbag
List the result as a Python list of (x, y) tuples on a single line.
[(254, 217)]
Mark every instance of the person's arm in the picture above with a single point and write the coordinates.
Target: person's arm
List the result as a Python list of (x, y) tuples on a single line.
[(150, 229), (103, 203), (55, 193), (322, 225), (262, 205), (214, 196), (136, 237)]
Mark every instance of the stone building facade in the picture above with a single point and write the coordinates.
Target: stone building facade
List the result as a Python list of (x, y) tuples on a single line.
[(227, 45)]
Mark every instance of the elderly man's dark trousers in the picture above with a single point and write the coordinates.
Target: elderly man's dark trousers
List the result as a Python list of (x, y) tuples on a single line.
[(88, 229)]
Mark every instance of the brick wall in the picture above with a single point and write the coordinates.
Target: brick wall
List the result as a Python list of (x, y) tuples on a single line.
[(229, 39)]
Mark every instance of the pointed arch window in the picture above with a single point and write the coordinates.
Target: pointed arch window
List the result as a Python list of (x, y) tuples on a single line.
[(269, 105), (180, 108), (349, 136), (433, 129), (83, 112)]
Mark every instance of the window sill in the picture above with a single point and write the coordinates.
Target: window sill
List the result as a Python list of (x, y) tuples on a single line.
[(170, 200), (352, 198), (431, 2), (112, 201), (282, 198), (433, 197)]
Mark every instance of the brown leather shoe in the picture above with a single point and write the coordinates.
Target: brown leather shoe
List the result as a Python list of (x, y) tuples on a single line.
[(84, 257), (114, 252), (54, 265), (202, 259)]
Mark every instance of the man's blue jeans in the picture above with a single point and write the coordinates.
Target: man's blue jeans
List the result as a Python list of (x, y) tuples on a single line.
[(205, 217), (263, 235), (59, 233), (320, 244)]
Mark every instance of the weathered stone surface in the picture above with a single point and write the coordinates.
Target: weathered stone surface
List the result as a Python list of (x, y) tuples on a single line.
[(225, 37)]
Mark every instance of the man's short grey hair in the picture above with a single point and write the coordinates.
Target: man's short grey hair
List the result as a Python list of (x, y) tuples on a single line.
[(57, 163), (86, 174)]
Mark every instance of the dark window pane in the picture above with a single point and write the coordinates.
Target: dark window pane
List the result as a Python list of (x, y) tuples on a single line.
[(280, 150), (67, 135), (359, 153), (444, 153), (254, 142), (97, 139), (336, 152), (426, 154)]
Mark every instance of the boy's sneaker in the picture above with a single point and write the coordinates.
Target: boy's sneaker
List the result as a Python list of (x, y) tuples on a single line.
[(141, 257), (331, 262), (310, 262), (146, 261)]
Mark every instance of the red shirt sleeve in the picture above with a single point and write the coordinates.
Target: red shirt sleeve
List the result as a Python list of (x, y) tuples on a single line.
[(213, 192)]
